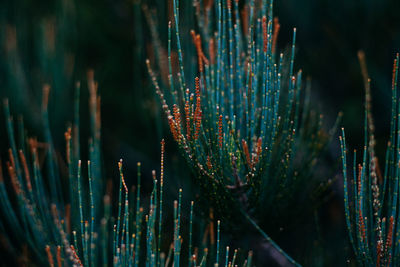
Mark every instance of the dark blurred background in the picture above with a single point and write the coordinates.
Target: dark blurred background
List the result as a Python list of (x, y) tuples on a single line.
[(56, 42)]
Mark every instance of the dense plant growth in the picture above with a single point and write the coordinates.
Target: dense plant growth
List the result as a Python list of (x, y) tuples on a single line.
[(371, 197)]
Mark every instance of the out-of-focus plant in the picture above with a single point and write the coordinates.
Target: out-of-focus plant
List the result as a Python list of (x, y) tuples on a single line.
[(243, 126), (36, 48), (371, 197)]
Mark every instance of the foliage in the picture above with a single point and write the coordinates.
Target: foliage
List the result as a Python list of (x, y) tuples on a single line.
[(371, 200), (244, 128), (72, 221)]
